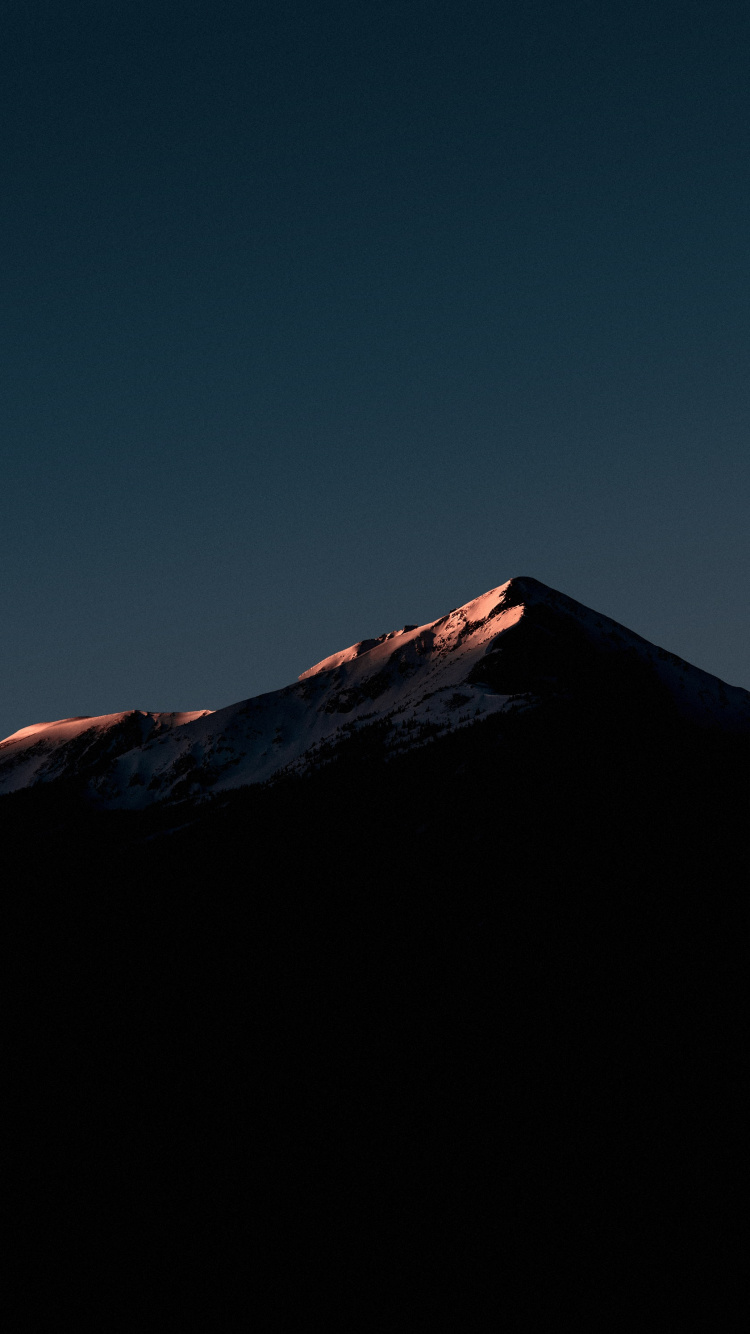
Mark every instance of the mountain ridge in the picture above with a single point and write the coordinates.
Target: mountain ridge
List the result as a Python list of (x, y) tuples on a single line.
[(504, 651)]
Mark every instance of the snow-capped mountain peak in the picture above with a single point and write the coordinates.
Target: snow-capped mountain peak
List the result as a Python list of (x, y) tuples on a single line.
[(514, 646)]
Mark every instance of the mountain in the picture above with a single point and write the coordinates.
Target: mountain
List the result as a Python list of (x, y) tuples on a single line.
[(458, 992), (509, 650)]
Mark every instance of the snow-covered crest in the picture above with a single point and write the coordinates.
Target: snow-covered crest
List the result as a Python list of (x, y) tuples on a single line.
[(70, 746), (473, 612), (495, 653)]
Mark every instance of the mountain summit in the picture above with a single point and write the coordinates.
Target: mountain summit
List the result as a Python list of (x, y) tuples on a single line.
[(509, 650)]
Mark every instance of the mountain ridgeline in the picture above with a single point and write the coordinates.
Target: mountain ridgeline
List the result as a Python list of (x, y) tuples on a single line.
[(508, 651)]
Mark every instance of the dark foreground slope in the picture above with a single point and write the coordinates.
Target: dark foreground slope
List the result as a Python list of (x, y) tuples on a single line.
[(379, 1039)]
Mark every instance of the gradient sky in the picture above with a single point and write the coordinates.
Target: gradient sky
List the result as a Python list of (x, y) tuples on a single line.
[(319, 318)]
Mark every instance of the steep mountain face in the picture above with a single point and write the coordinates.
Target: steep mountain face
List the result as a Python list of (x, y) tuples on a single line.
[(509, 650)]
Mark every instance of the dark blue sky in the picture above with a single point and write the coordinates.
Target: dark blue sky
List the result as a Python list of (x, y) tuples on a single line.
[(318, 318)]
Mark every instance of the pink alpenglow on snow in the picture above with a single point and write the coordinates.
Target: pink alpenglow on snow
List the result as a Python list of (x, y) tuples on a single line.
[(45, 751), (499, 652)]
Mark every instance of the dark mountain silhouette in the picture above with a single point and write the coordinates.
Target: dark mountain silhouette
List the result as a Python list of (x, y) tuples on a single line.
[(426, 1004)]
